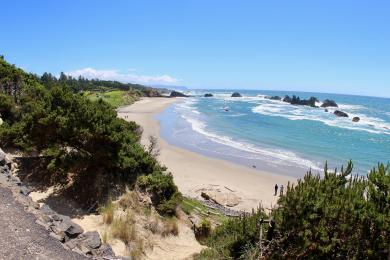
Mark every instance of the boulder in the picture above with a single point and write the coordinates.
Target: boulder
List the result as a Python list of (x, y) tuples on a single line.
[(92, 239), (208, 95), (340, 113), (68, 228), (177, 94), (106, 251), (236, 94), (329, 103), (326, 110), (356, 119)]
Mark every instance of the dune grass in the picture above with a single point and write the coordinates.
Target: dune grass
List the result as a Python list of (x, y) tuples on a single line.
[(107, 211)]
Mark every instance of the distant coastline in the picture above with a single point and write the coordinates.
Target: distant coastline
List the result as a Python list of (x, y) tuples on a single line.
[(276, 136)]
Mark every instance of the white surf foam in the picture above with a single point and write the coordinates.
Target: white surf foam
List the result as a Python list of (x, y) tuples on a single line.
[(366, 123), (274, 156)]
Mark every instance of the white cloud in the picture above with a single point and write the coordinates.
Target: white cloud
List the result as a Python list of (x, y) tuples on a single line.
[(129, 77)]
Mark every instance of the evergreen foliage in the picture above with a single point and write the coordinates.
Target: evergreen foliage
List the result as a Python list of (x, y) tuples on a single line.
[(164, 193), (337, 216), (73, 134)]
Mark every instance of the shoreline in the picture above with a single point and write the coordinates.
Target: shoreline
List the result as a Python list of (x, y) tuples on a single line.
[(194, 172)]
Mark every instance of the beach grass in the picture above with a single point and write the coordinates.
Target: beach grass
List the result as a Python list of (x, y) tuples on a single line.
[(194, 206)]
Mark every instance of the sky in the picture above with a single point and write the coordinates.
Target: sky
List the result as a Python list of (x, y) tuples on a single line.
[(320, 46)]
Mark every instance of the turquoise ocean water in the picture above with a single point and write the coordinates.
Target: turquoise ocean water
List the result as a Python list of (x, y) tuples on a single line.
[(279, 137)]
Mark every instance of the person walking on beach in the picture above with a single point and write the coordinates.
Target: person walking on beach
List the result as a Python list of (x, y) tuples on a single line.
[(281, 190), (276, 189)]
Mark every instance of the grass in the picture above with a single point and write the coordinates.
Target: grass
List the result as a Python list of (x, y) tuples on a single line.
[(107, 212), (190, 205), (170, 227), (105, 236), (116, 98), (130, 200), (124, 228)]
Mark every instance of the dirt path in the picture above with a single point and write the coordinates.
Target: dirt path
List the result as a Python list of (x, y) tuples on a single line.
[(22, 238)]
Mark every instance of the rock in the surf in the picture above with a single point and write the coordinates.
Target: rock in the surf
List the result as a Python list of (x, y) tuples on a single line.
[(356, 119), (340, 113), (329, 103), (287, 99), (177, 94), (208, 95), (236, 94)]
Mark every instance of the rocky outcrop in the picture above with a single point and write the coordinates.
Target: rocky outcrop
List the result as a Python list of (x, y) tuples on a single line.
[(208, 95), (329, 103), (274, 98), (60, 227), (227, 199), (236, 94), (356, 119), (298, 101), (340, 113), (177, 94)]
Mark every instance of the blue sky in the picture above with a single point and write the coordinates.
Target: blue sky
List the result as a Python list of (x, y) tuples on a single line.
[(332, 46)]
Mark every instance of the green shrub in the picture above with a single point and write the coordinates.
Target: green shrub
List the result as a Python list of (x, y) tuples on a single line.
[(164, 193), (337, 216), (233, 236)]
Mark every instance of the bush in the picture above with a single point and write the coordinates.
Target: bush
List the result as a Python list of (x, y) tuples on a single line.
[(164, 193), (235, 235), (337, 216)]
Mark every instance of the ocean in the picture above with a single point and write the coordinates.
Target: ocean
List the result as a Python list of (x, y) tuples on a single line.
[(277, 136)]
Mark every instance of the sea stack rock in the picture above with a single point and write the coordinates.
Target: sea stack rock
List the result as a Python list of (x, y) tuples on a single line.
[(329, 103), (236, 94), (356, 119), (275, 98), (177, 94), (287, 99), (340, 113), (208, 95)]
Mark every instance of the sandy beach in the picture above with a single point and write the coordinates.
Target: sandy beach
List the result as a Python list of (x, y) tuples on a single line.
[(194, 173)]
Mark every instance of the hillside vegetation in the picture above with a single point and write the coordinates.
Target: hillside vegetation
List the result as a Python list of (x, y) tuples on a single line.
[(337, 216), (82, 144)]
